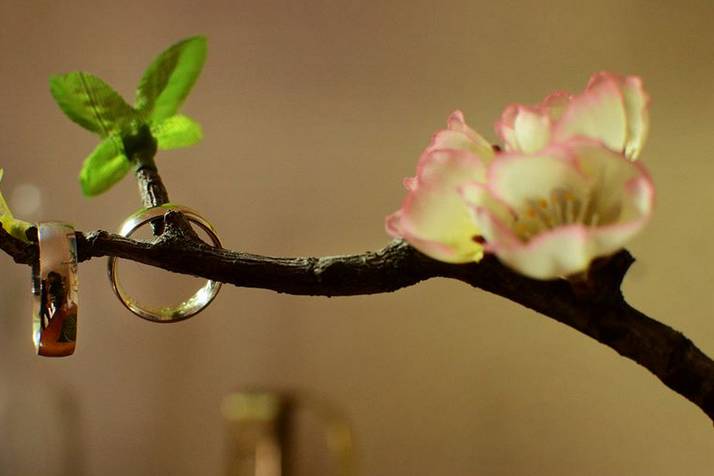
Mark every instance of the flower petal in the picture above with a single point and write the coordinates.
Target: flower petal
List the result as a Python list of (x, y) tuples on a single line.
[(598, 113), (532, 130), (506, 127), (619, 194), (638, 210), (410, 183), (450, 166), (553, 254), (431, 248), (636, 103), (555, 104), (612, 178), (524, 129), (521, 179), (478, 196), (458, 135), (434, 218), (624, 199), (612, 109), (528, 129)]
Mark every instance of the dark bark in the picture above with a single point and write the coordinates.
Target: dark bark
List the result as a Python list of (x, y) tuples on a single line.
[(593, 305)]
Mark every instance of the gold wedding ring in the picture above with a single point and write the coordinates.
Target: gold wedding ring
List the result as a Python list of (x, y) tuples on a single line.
[(55, 290), (186, 309)]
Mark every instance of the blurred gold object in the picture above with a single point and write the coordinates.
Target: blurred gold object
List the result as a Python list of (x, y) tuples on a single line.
[(258, 431)]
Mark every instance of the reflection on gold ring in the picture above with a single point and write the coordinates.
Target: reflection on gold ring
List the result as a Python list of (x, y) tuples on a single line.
[(183, 310)]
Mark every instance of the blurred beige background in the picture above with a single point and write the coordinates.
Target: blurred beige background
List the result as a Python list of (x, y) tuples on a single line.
[(314, 112)]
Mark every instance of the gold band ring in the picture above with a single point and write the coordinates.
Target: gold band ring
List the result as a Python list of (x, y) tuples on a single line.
[(186, 309), (55, 290)]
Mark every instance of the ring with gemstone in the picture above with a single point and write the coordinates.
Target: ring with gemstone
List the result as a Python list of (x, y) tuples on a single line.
[(186, 309), (55, 290)]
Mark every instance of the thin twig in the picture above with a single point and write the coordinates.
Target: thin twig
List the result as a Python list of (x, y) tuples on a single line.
[(601, 313)]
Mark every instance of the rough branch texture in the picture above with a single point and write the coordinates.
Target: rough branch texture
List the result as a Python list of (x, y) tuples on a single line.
[(594, 306), (597, 309)]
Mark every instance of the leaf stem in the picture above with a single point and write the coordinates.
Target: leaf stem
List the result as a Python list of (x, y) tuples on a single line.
[(151, 187)]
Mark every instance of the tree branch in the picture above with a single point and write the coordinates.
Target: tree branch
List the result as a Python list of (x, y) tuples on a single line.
[(598, 311), (593, 306)]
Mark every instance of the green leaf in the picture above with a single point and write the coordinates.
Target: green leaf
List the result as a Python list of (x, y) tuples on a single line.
[(168, 80), (104, 167), (12, 225), (91, 103), (15, 227), (177, 131)]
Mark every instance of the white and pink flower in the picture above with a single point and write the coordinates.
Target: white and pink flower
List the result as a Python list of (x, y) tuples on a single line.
[(565, 192), (458, 135), (613, 109), (550, 214), (434, 217)]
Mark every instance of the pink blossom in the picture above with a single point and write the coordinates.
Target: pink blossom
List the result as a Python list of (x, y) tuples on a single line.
[(434, 217), (565, 192), (613, 109), (549, 214)]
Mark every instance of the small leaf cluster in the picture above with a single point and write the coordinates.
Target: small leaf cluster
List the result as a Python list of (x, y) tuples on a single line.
[(131, 133)]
